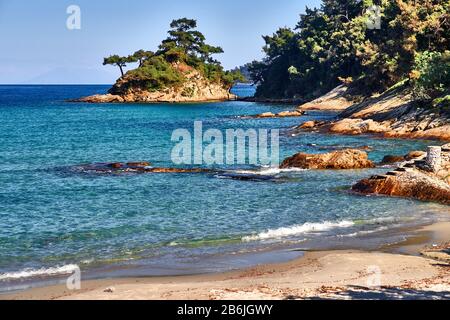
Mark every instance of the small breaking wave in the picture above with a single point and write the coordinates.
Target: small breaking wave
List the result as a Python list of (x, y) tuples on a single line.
[(32, 273), (299, 229), (270, 171)]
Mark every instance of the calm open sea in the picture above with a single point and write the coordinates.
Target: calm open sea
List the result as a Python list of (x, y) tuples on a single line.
[(161, 224)]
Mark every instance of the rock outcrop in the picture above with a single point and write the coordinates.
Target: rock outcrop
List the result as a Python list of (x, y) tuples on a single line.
[(195, 88), (392, 114), (339, 98), (424, 179), (409, 184), (342, 159)]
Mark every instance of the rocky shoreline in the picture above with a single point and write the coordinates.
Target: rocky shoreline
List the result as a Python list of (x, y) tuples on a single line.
[(393, 114), (426, 178)]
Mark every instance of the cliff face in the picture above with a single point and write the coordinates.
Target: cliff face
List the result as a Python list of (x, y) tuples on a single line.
[(194, 88)]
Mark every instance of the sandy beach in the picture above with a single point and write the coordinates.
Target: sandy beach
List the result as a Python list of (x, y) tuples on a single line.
[(395, 272)]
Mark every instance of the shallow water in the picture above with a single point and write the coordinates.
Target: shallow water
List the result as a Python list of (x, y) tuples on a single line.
[(170, 223)]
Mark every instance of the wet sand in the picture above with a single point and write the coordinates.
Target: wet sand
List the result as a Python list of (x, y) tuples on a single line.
[(394, 272)]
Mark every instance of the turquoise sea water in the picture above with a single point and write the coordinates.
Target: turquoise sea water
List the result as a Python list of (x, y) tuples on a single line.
[(153, 224)]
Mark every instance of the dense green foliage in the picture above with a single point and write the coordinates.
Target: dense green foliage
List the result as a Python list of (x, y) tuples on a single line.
[(335, 42), (184, 49), (431, 74), (155, 73)]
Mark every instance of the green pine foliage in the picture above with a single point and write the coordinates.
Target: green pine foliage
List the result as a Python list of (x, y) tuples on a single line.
[(431, 74), (184, 48), (334, 42)]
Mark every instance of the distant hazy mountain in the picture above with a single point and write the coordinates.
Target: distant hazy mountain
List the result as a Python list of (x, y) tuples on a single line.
[(64, 75)]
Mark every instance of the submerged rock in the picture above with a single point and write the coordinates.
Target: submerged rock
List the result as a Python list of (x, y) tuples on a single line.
[(131, 167), (342, 159), (246, 176)]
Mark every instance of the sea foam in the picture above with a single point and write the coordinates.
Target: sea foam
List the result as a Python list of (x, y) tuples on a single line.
[(298, 229), (270, 171), (31, 273)]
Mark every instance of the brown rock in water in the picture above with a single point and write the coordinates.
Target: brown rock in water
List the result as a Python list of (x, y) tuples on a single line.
[(102, 98), (409, 184), (284, 114), (115, 165), (287, 114), (135, 167), (414, 155), (392, 159), (266, 115), (139, 164), (342, 159), (308, 125), (175, 170)]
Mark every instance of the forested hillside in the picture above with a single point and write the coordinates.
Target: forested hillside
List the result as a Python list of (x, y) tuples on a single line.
[(341, 43)]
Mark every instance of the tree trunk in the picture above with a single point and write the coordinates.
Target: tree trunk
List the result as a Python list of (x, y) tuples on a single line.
[(121, 70)]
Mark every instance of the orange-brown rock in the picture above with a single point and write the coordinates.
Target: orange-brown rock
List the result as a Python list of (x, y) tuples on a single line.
[(339, 98), (409, 184), (308, 125), (102, 98), (414, 155), (115, 165), (284, 114), (139, 164), (342, 159), (393, 114)]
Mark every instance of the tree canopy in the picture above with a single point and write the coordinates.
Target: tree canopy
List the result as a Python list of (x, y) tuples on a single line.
[(334, 42), (184, 45), (119, 61)]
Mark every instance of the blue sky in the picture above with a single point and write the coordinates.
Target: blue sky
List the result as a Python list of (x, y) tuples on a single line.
[(36, 46)]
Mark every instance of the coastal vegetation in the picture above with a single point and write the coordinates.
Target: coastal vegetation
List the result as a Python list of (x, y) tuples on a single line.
[(185, 49), (336, 44)]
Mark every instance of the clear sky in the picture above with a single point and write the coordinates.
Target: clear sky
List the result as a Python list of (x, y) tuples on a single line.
[(37, 47)]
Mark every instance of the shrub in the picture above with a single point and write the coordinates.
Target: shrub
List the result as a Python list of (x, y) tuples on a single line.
[(431, 74), (155, 74)]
